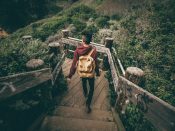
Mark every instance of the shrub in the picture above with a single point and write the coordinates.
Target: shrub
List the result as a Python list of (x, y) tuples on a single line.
[(50, 27), (134, 120), (81, 11), (102, 22), (80, 26), (116, 17), (93, 29), (14, 56)]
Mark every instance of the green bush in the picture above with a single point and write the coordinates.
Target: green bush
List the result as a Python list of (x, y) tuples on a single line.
[(93, 29), (50, 28), (15, 56), (81, 12), (134, 120), (80, 26), (116, 17), (102, 22), (152, 49)]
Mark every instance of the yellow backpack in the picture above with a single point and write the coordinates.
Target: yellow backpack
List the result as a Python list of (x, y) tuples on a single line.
[(86, 66)]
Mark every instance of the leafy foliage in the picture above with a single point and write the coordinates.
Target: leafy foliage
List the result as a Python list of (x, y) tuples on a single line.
[(150, 46), (15, 56), (102, 22), (18, 13), (134, 120)]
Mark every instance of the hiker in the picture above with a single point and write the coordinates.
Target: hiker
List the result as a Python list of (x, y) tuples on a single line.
[(86, 68)]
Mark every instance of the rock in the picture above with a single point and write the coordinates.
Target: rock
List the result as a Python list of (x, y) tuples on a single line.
[(34, 63), (135, 75)]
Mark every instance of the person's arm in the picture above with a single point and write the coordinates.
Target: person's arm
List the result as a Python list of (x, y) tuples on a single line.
[(74, 65), (96, 63)]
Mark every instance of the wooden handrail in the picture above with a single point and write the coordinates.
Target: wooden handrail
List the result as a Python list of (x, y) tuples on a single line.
[(152, 104), (159, 112), (101, 49), (57, 69), (18, 83), (118, 60)]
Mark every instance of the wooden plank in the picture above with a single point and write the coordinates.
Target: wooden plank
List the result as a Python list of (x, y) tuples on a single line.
[(67, 63), (113, 70), (82, 101), (69, 95), (93, 43), (101, 96), (57, 69), (79, 113), (58, 123), (160, 113), (13, 85), (77, 43), (98, 90)]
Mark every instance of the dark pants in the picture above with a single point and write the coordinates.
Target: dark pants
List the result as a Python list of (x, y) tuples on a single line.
[(91, 90)]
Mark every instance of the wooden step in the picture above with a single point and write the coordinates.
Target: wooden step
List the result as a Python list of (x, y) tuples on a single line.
[(57, 123), (80, 113)]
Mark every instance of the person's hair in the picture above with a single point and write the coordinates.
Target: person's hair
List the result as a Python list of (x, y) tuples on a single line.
[(87, 37)]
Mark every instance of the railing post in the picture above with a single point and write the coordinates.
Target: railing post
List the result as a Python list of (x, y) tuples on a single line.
[(109, 43), (54, 47), (135, 75), (105, 62), (65, 33)]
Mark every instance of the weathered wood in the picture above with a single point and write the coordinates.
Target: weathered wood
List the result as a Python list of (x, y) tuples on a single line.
[(65, 33), (78, 43), (93, 43), (134, 75), (113, 69), (115, 57), (160, 113), (109, 42), (105, 62), (16, 84), (57, 69), (54, 47)]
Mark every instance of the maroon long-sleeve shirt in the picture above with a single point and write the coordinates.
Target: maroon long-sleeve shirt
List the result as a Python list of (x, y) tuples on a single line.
[(82, 50)]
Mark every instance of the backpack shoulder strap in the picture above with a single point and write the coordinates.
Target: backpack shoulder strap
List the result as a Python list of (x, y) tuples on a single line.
[(90, 53)]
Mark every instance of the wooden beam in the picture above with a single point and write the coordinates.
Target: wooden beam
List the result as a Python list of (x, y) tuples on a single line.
[(16, 84), (159, 112), (101, 49), (57, 69), (93, 43)]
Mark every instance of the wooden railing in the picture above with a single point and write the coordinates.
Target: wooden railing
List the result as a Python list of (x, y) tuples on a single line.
[(100, 48), (160, 113), (19, 83), (16, 87)]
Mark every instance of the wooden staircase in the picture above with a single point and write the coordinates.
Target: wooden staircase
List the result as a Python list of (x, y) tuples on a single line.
[(70, 114), (76, 119)]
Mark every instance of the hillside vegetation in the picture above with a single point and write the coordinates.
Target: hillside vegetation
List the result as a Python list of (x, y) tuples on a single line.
[(143, 32)]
